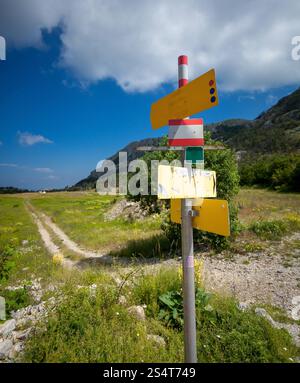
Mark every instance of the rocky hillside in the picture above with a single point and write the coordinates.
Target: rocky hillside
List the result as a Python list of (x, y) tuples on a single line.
[(275, 130)]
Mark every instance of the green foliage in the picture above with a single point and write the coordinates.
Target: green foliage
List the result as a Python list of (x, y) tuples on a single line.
[(278, 171), (87, 328), (149, 201), (171, 306), (149, 288), (224, 333), (276, 228), (224, 163), (171, 311), (6, 261), (232, 336), (15, 299)]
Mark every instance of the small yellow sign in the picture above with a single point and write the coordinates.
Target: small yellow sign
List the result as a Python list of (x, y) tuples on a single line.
[(213, 215), (185, 182), (198, 95)]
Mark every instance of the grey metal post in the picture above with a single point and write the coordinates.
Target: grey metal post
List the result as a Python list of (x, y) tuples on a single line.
[(187, 246)]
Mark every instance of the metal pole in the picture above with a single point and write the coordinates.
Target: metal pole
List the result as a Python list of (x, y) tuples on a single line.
[(187, 246)]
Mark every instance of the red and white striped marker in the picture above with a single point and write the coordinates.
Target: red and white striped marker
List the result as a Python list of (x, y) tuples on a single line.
[(187, 132), (183, 72)]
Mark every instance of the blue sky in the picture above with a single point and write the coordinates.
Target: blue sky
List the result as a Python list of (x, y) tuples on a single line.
[(40, 95)]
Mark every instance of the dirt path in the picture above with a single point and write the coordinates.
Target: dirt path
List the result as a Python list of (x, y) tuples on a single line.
[(265, 276), (49, 244), (71, 245), (43, 220)]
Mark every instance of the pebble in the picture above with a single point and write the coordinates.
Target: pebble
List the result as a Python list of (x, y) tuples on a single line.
[(7, 327), (138, 312), (5, 347), (159, 340)]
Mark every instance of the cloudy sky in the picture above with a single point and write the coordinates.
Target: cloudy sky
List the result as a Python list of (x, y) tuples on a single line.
[(80, 75)]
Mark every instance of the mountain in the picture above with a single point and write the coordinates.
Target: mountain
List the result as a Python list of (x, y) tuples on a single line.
[(132, 154), (276, 130)]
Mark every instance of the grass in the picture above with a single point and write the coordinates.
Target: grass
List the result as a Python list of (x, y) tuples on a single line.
[(276, 228), (88, 328), (258, 204), (82, 218), (96, 328), (27, 258)]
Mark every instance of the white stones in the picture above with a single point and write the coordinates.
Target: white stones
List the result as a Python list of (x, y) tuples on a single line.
[(7, 328), (243, 306), (122, 300), (159, 340), (22, 335), (138, 312), (93, 290), (5, 347)]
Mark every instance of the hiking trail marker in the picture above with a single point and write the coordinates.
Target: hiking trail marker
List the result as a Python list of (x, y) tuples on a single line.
[(188, 187), (187, 132), (179, 182), (198, 95), (213, 215)]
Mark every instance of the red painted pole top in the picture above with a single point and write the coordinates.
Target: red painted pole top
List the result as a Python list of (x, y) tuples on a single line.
[(183, 59)]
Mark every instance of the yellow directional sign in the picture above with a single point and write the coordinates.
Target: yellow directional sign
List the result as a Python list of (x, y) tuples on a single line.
[(198, 95), (179, 182), (213, 215)]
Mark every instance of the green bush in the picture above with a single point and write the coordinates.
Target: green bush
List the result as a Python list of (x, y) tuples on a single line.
[(221, 161), (171, 306), (15, 299), (277, 171), (6, 261), (276, 228)]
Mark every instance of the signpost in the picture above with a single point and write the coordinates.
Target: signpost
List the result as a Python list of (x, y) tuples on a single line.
[(212, 215), (187, 132), (178, 182), (183, 184), (198, 95)]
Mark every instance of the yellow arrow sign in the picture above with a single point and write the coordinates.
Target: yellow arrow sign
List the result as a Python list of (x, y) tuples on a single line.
[(213, 215), (179, 182), (196, 96)]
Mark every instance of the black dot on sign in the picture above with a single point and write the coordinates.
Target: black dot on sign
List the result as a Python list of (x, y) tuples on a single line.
[(212, 91), (213, 99)]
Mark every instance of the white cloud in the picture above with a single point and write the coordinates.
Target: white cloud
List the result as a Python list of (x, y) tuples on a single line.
[(137, 42), (28, 139), (6, 165), (43, 170)]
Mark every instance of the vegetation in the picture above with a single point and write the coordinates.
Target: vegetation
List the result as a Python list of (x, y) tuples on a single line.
[(275, 229), (224, 163), (96, 328), (278, 171), (81, 216), (12, 190), (92, 326)]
